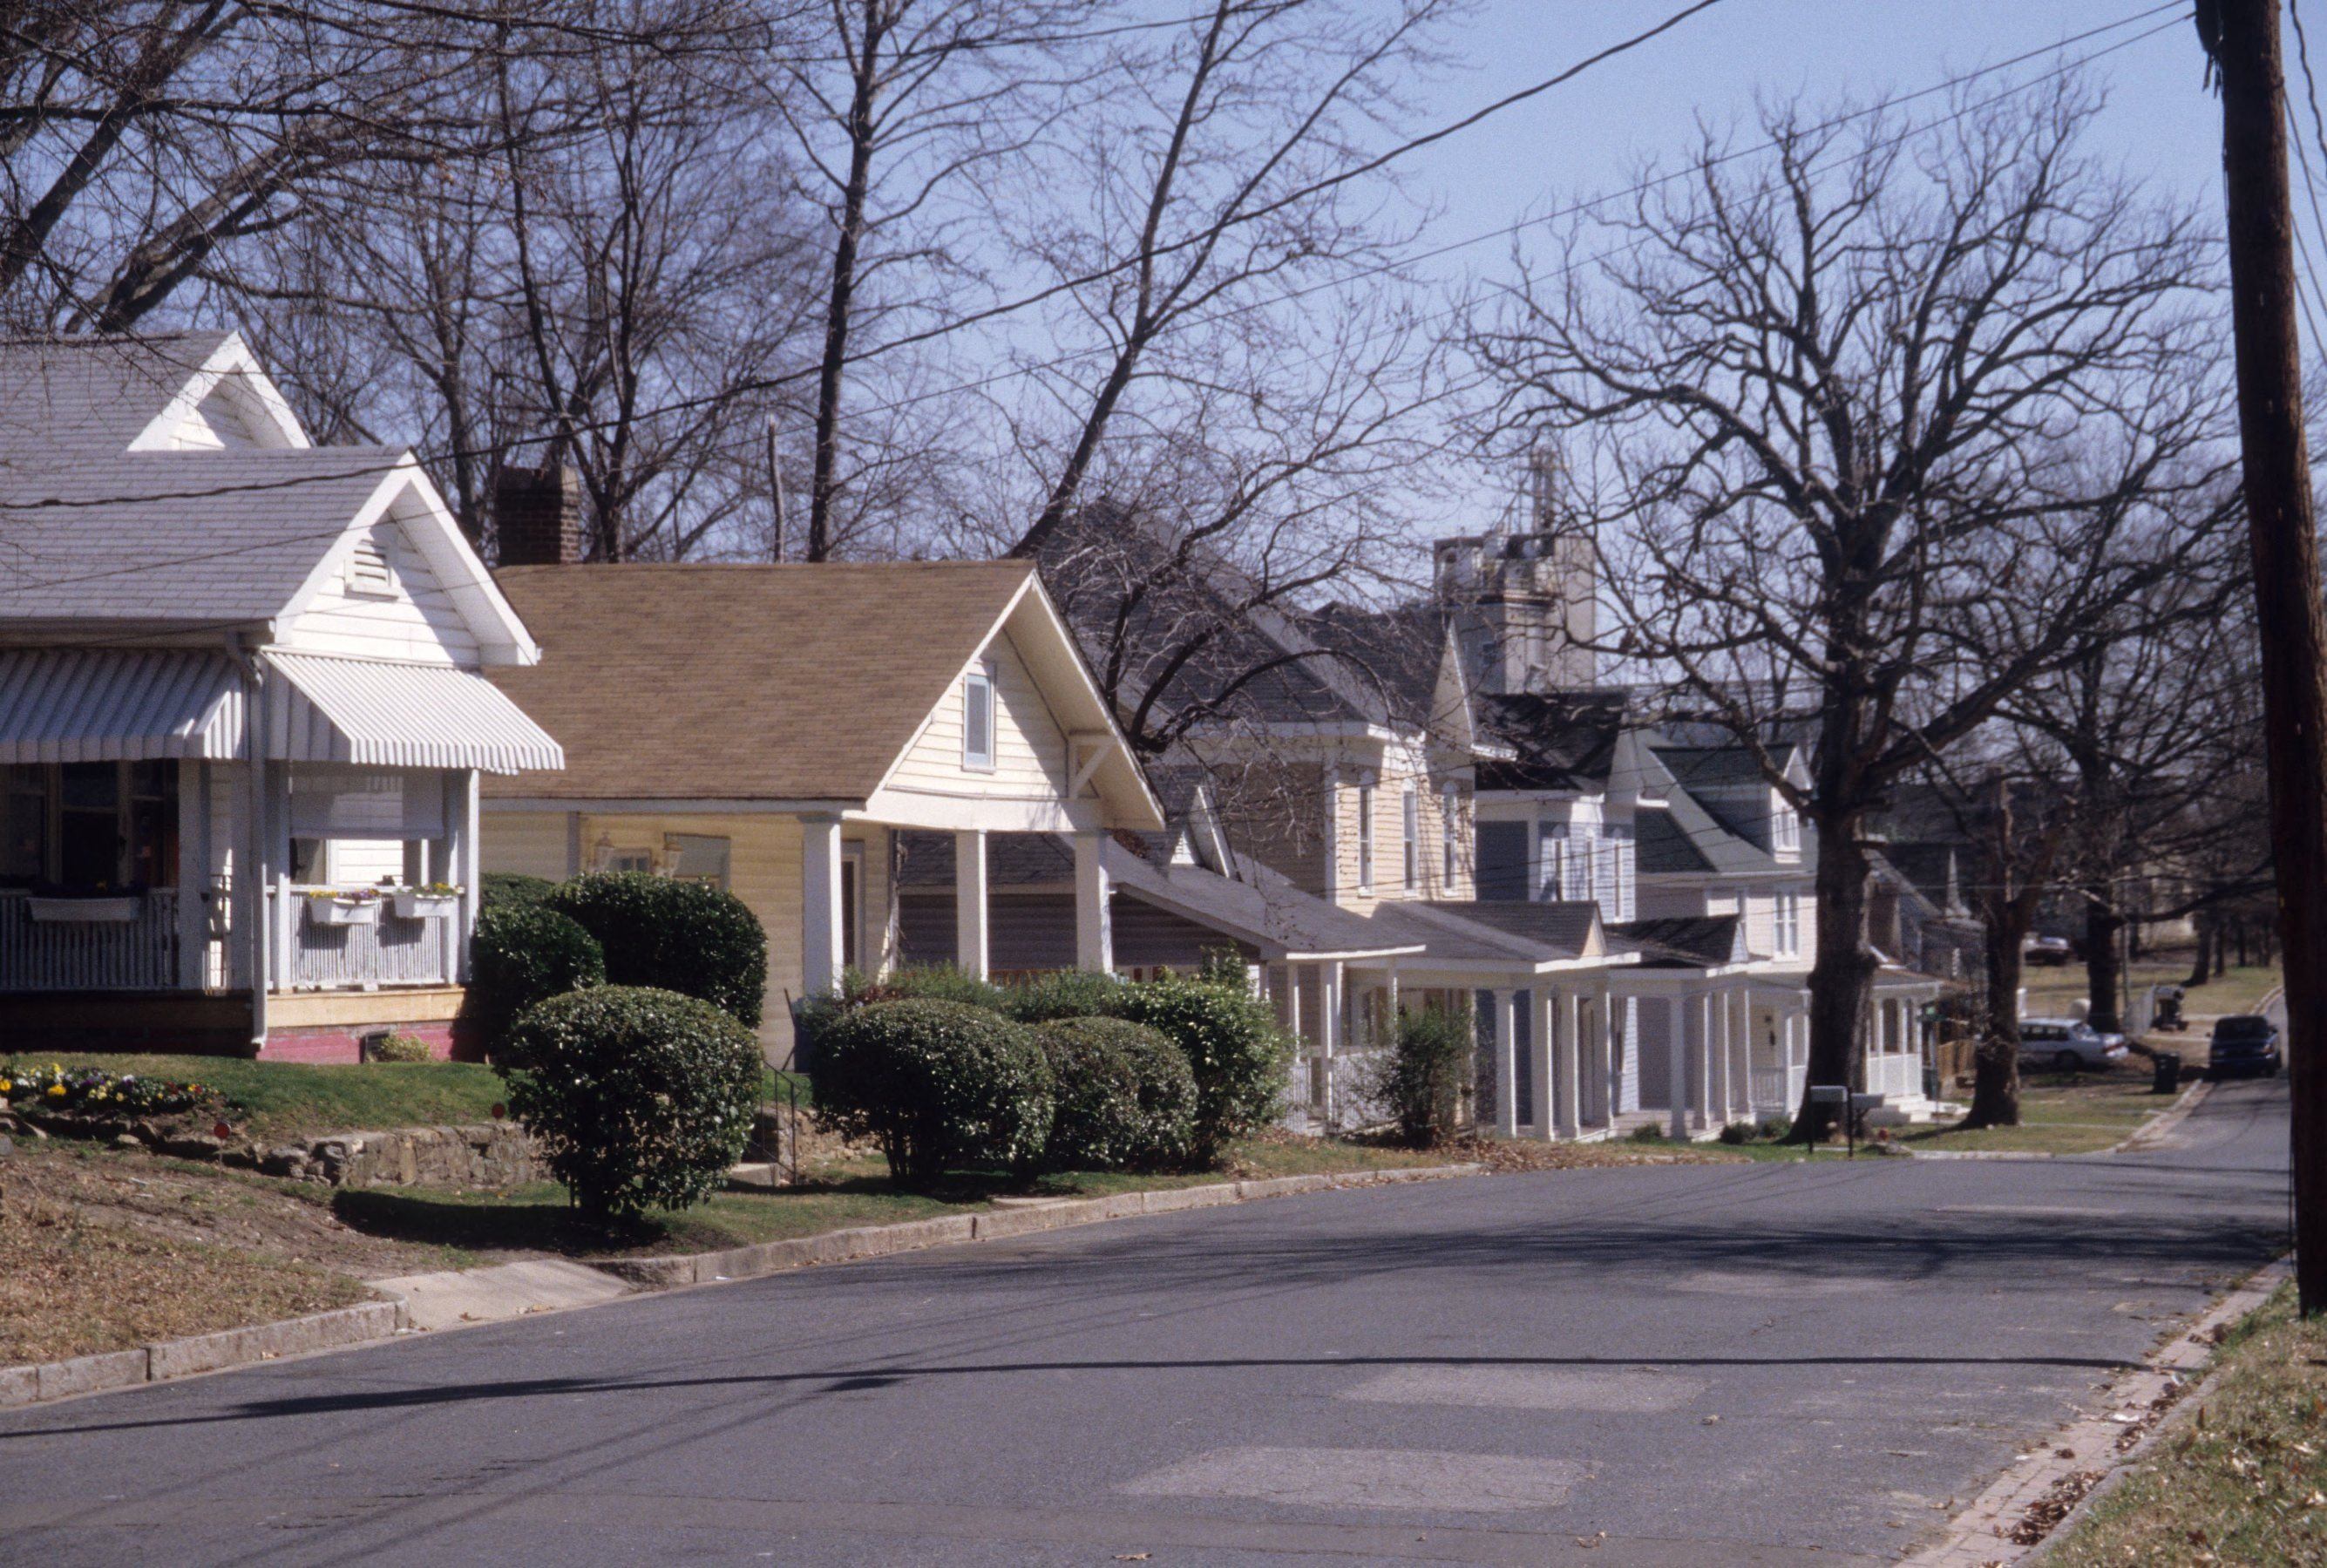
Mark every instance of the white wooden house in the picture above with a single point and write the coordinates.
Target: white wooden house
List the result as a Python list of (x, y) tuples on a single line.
[(241, 714), (778, 729)]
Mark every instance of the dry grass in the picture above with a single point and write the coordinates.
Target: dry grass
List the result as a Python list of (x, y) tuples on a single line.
[(72, 1286), (2244, 1480), (2060, 1113)]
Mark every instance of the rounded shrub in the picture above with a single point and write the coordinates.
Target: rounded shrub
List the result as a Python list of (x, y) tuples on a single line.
[(936, 1084), (931, 982), (496, 888), (1125, 1095), (521, 954), (638, 1099), (1233, 1046), (676, 936), (1066, 994)]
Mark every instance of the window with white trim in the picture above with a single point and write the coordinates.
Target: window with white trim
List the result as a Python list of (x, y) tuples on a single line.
[(1785, 829), (1787, 921), (1412, 844), (1365, 838), (977, 720)]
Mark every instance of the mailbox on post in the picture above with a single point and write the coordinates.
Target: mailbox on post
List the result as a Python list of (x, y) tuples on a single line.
[(1839, 1095)]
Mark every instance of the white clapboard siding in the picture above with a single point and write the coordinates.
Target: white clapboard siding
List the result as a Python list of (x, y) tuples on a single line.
[(415, 620), (1030, 749)]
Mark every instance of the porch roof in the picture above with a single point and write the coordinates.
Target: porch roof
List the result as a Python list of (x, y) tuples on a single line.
[(380, 714), (118, 704)]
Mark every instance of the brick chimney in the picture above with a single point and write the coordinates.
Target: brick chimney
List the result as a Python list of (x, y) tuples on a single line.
[(537, 517)]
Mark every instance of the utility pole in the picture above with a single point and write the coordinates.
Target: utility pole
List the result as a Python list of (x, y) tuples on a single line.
[(2241, 36)]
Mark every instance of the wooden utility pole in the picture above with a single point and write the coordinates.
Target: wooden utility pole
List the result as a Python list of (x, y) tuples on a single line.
[(2242, 38)]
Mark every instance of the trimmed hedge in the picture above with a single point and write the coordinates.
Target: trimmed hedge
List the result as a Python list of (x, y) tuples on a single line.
[(936, 1084), (638, 1099), (1125, 1095), (1239, 1055), (496, 888), (523, 954), (675, 936)]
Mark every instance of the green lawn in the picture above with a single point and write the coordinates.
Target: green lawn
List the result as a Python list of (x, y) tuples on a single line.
[(2060, 1114), (2052, 992), (842, 1194), (283, 1100), (2244, 1481)]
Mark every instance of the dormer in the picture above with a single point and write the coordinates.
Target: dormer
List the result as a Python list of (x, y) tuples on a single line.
[(227, 403)]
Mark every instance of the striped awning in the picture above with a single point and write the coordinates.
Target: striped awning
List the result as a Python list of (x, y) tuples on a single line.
[(400, 715), (118, 704)]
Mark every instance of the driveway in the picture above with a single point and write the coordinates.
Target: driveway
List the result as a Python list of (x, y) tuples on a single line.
[(1682, 1365)]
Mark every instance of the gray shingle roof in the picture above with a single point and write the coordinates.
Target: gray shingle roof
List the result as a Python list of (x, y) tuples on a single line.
[(1660, 844), (172, 536), (1564, 739), (1684, 941), (1263, 906), (1472, 932), (74, 399)]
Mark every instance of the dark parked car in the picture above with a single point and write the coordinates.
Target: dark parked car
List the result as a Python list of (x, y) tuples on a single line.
[(2243, 1042)]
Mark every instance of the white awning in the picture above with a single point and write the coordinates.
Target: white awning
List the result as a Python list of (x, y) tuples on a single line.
[(118, 704), (399, 715)]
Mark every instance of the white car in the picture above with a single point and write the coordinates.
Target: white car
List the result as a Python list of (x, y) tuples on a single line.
[(2055, 951), (2069, 1044)]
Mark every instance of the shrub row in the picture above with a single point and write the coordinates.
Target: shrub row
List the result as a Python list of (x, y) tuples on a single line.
[(1084, 1072)]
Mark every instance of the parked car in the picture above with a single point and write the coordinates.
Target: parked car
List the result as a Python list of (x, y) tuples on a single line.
[(2069, 1044), (2055, 951), (2243, 1042)]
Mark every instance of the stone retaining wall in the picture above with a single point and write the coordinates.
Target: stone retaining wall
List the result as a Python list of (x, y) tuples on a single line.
[(494, 1154)]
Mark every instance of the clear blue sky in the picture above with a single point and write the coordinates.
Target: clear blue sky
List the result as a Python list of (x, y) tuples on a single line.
[(1590, 136)]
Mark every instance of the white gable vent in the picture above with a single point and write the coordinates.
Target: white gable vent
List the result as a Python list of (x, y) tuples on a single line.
[(368, 569)]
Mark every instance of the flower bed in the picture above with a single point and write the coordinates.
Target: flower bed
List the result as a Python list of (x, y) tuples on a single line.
[(94, 1092)]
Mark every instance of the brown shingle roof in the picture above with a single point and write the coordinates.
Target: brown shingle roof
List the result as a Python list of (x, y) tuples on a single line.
[(740, 682)]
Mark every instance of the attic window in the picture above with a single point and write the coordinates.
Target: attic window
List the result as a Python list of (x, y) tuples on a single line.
[(1786, 831), (368, 570), (977, 721)]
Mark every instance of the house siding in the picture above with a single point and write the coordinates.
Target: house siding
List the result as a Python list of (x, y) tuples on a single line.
[(1030, 749), (417, 621)]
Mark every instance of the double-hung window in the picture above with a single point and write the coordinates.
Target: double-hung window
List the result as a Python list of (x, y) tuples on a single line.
[(1412, 826), (977, 720), (1789, 923), (1365, 838)]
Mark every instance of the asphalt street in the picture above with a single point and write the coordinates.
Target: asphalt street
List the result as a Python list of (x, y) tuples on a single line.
[(1685, 1365)]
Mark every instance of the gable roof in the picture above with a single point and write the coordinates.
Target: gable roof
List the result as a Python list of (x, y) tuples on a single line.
[(760, 683), (80, 400)]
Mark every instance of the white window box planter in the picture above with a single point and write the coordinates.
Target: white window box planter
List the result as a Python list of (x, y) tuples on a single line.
[(425, 906), (342, 911), (114, 910)]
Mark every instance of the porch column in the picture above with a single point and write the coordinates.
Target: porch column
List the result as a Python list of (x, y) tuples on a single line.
[(1676, 1054), (1542, 1014), (193, 873), (1717, 1043), (1571, 1068), (467, 856), (1507, 1063), (1332, 999), (1602, 1069), (1701, 1086), (820, 936), (1746, 1047), (970, 953), (1093, 924), (282, 966)]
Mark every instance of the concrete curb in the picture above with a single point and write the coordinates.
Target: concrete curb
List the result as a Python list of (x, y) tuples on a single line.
[(2166, 1121), (2147, 1400), (172, 1358), (871, 1241)]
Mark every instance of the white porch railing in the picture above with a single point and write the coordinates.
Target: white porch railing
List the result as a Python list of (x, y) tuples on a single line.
[(1897, 1077), (385, 951), (1772, 1086), (138, 953)]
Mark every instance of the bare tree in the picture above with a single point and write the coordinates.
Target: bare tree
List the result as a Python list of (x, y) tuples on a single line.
[(1902, 422)]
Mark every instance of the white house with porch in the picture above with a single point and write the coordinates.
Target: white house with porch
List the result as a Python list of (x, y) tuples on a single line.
[(780, 731), (242, 716)]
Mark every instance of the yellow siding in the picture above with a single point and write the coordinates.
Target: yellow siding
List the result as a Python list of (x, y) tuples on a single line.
[(531, 844), (417, 621), (1030, 749)]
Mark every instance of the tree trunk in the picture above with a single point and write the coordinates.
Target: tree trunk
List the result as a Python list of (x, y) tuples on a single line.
[(830, 373), (2221, 954), (2242, 941), (2200, 970), (2104, 974), (1996, 1058), (1842, 977)]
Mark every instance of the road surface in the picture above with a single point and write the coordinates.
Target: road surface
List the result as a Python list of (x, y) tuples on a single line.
[(1672, 1364)]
